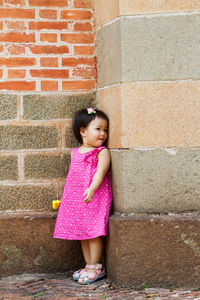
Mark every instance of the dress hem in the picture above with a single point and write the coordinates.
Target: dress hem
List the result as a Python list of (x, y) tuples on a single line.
[(79, 239)]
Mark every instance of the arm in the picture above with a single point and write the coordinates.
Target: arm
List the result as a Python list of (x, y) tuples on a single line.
[(102, 169)]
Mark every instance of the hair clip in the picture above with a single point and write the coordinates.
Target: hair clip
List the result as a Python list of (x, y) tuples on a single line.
[(91, 111)]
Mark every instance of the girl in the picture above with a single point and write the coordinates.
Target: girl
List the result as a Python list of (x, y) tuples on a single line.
[(87, 195)]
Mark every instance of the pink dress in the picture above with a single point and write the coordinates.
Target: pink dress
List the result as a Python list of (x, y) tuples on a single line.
[(77, 220)]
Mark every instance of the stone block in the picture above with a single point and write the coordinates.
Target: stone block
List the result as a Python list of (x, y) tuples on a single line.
[(109, 54), (70, 140), (8, 107), (27, 196), (28, 137), (105, 11), (27, 245), (39, 107), (130, 7), (8, 167), (157, 180), (46, 166), (149, 49), (159, 250), (152, 114)]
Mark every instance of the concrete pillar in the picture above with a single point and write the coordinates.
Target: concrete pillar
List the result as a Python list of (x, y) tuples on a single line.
[(148, 70)]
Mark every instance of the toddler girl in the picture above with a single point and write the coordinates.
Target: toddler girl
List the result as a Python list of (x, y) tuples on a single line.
[(84, 210)]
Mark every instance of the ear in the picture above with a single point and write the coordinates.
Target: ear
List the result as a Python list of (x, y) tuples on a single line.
[(82, 131)]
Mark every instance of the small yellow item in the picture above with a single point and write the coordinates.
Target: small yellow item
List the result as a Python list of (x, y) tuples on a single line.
[(55, 204)]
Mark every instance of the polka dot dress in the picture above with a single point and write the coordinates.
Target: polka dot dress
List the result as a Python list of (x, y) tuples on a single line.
[(77, 220)]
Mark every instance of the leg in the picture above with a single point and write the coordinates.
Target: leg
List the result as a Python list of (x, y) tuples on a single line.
[(96, 249), (86, 250), (86, 254), (95, 270)]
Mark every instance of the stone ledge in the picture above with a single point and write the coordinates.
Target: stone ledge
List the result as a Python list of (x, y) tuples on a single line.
[(27, 245), (157, 250)]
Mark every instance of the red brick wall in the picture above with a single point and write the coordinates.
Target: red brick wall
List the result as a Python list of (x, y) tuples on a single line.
[(47, 45)]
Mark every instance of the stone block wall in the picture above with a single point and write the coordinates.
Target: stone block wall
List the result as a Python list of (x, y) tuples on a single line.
[(148, 83), (47, 72)]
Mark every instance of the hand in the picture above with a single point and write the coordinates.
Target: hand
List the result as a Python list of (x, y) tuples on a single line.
[(89, 193)]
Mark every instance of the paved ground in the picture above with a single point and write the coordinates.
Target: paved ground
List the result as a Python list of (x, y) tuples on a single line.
[(61, 287)]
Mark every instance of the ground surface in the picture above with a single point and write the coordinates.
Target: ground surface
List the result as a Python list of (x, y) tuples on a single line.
[(60, 286)]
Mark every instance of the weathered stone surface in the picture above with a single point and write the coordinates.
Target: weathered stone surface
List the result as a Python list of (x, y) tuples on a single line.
[(159, 180), (27, 245), (8, 107), (105, 11), (8, 167), (149, 48), (108, 10), (46, 165), (39, 107), (130, 7), (28, 137), (27, 196), (159, 251), (70, 140), (158, 114), (109, 54)]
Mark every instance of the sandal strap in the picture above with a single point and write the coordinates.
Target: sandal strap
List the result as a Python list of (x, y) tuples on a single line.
[(96, 266)]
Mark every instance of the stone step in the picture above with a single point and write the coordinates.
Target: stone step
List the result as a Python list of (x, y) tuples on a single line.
[(154, 250), (27, 245)]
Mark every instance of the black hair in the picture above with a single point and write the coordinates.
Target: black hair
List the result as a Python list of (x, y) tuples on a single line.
[(82, 119)]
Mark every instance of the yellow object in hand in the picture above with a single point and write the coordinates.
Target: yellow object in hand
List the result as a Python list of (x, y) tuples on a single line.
[(55, 204)]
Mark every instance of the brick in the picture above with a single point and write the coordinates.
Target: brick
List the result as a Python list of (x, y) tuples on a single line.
[(27, 196), (50, 73), (48, 25), (28, 247), (48, 3), (83, 4), (17, 13), (17, 85), (1, 2), (28, 137), (16, 49), (8, 167), (48, 37), (76, 14), (17, 61), (83, 26), (74, 62), (48, 14), (78, 85), (47, 49), (77, 38), (8, 107), (37, 107), (46, 166), (49, 61), (16, 73), (16, 37), (1, 25), (49, 85), (1, 73), (15, 2), (85, 73), (17, 25), (84, 50), (1, 48)]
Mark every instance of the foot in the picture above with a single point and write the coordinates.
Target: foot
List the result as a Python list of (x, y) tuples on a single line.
[(93, 273), (76, 275)]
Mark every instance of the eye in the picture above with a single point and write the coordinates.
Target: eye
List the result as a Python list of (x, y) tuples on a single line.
[(97, 128)]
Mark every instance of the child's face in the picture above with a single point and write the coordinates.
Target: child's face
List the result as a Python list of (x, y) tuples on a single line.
[(95, 134)]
